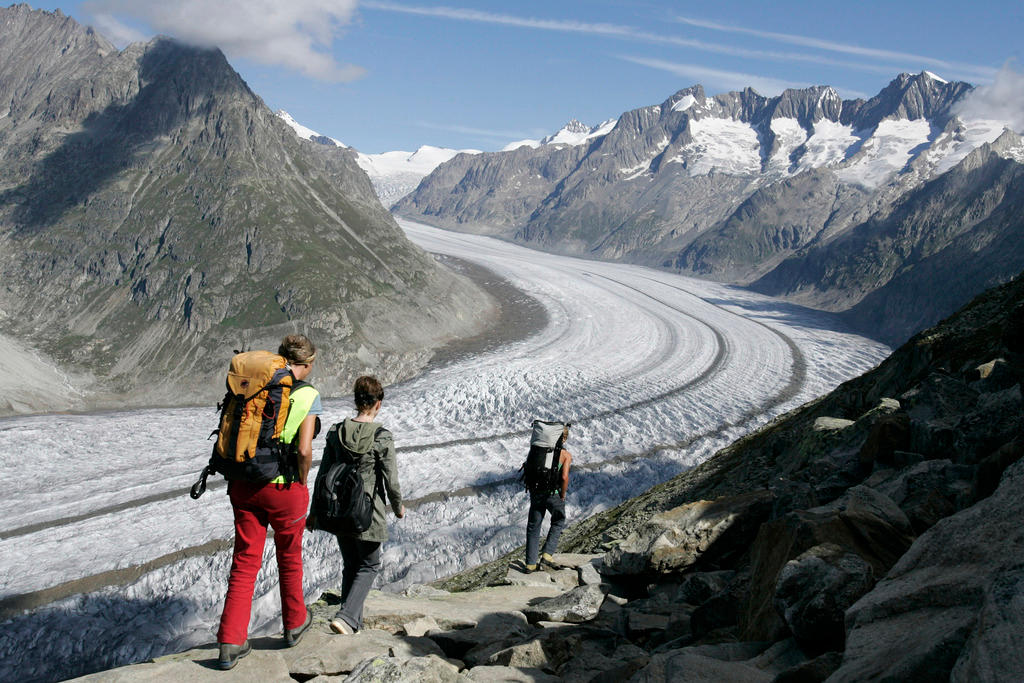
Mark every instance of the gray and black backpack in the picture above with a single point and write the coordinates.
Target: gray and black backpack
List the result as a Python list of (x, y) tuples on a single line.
[(540, 472)]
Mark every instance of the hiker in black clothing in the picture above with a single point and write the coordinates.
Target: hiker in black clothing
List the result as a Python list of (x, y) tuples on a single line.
[(547, 491), (378, 467)]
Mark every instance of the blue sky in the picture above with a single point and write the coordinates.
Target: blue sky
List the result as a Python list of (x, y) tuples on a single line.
[(384, 75)]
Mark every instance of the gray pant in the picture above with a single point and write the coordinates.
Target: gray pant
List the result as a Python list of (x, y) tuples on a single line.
[(539, 504), (361, 566)]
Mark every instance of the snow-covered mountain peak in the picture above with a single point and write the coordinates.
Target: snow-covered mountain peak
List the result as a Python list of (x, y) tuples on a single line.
[(308, 133), (396, 174), (572, 133)]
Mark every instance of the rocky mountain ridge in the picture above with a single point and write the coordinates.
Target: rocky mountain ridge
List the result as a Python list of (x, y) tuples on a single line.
[(733, 186), (155, 215)]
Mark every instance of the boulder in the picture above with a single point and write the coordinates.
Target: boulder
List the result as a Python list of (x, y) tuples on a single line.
[(862, 521), (519, 577), (686, 666), (420, 627), (429, 669), (418, 590), (721, 611), (995, 375), (501, 628), (990, 469), (675, 540), (888, 434), (814, 590), (589, 574), (952, 606), (330, 654), (574, 560), (812, 671), (699, 587), (506, 674), (566, 578), (576, 606), (931, 490), (529, 655), (781, 656), (830, 424), (260, 666)]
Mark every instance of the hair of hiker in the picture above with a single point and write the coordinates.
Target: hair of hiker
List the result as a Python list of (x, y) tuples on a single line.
[(297, 348), (367, 391)]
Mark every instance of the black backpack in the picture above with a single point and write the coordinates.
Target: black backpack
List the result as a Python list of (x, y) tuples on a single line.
[(540, 472), (339, 503)]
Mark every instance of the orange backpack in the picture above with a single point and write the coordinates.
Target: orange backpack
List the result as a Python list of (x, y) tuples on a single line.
[(252, 417)]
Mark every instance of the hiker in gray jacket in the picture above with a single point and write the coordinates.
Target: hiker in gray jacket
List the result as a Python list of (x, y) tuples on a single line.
[(379, 469)]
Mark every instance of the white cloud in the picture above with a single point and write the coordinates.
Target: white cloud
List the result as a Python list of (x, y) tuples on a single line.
[(296, 34), (1003, 100), (917, 61), (619, 31), (485, 133), (717, 79), (117, 31)]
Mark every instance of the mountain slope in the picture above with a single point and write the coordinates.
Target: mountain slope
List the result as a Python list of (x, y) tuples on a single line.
[(154, 214)]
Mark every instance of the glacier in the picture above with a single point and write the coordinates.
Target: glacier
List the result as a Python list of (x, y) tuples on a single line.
[(105, 560)]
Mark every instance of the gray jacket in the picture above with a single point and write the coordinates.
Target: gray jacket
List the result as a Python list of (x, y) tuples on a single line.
[(378, 448)]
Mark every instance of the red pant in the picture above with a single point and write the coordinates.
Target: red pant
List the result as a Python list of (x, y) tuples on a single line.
[(283, 507)]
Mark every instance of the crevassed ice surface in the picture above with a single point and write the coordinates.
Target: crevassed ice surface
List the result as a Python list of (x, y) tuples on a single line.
[(105, 560)]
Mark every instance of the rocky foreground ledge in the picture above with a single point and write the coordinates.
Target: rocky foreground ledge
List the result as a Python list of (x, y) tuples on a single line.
[(873, 534)]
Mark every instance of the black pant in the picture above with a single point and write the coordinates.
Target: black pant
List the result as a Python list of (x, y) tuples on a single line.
[(540, 504), (362, 564)]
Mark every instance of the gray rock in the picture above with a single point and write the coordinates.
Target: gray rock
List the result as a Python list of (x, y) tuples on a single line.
[(420, 627), (528, 655), (260, 666), (863, 521), (505, 674), (729, 652), (815, 589), (589, 574), (516, 577), (697, 588), (385, 669), (781, 656), (931, 490), (993, 650), (674, 540), (494, 631), (952, 602), (575, 560), (829, 424), (566, 578), (812, 671), (641, 625), (331, 654), (418, 590), (686, 666), (578, 605)]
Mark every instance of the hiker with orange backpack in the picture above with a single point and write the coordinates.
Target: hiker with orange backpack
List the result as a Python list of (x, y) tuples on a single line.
[(269, 419)]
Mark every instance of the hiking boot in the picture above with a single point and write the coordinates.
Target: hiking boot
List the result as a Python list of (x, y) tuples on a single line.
[(292, 636), (341, 626), (530, 568), (230, 654), (547, 559)]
